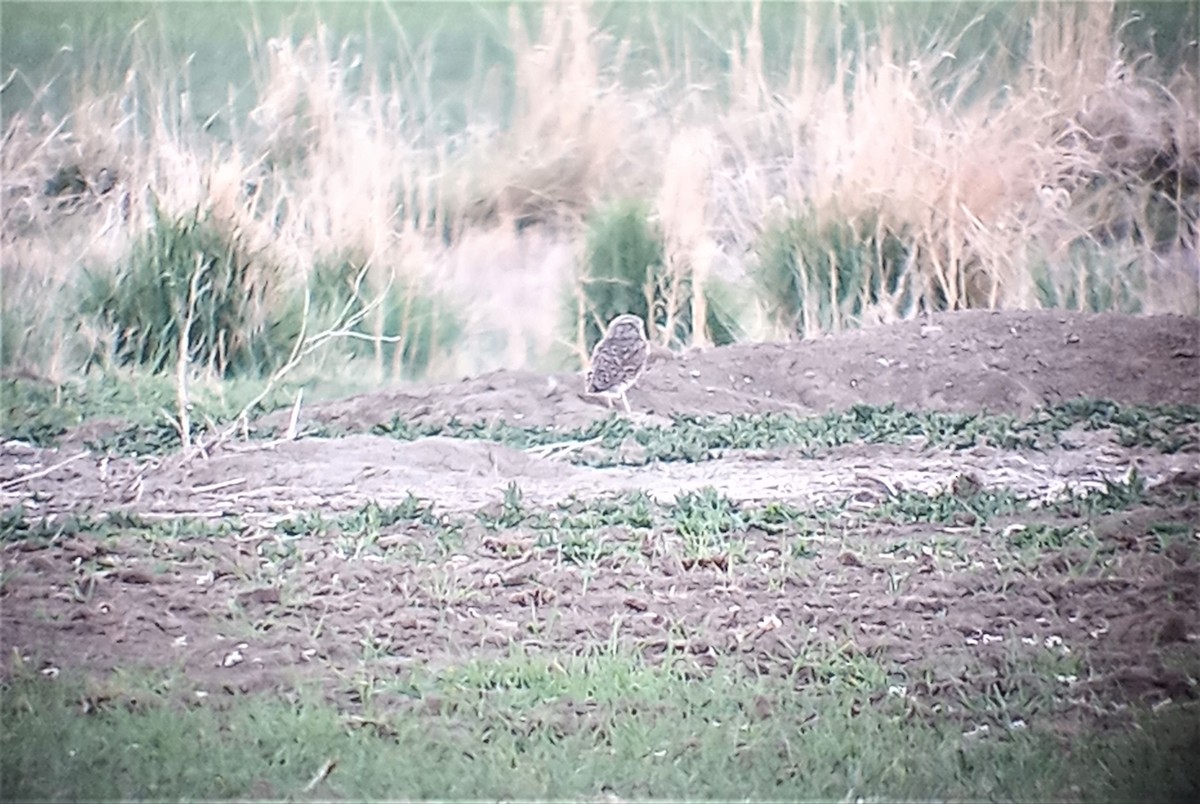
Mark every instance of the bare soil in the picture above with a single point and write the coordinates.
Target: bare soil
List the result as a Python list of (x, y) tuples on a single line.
[(951, 604)]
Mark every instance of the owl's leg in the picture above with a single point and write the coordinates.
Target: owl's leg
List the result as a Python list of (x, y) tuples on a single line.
[(625, 402)]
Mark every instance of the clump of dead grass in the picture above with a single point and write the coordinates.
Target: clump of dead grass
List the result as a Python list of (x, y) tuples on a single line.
[(576, 135), (1064, 183)]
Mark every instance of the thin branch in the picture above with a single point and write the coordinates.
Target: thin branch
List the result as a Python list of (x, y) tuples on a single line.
[(294, 420), (16, 481), (182, 359), (224, 484), (560, 447), (306, 345)]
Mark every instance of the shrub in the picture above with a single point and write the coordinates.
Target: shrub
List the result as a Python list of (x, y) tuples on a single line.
[(403, 333), (626, 274), (185, 266), (816, 277), (1094, 279)]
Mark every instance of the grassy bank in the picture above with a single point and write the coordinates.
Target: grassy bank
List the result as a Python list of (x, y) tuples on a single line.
[(603, 727)]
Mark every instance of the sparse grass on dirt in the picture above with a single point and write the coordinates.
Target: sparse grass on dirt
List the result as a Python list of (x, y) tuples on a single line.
[(1169, 428), (126, 411), (42, 414), (952, 557)]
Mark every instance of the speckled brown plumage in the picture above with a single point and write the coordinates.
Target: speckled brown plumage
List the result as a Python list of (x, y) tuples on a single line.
[(619, 359)]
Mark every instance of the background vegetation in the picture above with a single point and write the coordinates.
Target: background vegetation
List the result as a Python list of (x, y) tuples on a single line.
[(436, 179)]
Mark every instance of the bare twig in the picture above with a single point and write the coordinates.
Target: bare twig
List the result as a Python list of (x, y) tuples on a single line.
[(294, 419), (16, 481), (306, 345), (321, 775), (182, 359), (560, 447), (224, 484)]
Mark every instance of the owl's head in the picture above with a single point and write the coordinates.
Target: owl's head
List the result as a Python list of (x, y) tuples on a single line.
[(626, 327)]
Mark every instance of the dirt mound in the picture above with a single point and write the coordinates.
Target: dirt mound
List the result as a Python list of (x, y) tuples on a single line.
[(964, 361), (264, 481), (351, 471)]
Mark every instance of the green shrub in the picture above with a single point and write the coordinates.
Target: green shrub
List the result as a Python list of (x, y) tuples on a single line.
[(11, 335), (1091, 278), (815, 276), (624, 264), (626, 273), (425, 322), (237, 327), (413, 324), (142, 307)]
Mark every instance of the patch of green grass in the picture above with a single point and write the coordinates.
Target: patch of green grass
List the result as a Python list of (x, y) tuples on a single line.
[(193, 282), (155, 438), (187, 277), (1021, 521), (775, 516), (511, 511), (562, 727), (634, 510), (1166, 428), (968, 503), (695, 438), (1166, 533), (627, 273), (961, 504), (818, 276), (706, 521), (190, 281), (42, 413), (17, 525), (1115, 496), (357, 533), (1093, 276), (578, 547), (39, 413), (1044, 536), (139, 405), (369, 518)]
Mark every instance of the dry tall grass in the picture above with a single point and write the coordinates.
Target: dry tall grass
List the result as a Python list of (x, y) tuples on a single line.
[(1069, 175)]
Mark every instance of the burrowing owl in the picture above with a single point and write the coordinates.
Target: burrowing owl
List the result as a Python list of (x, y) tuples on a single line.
[(618, 359)]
